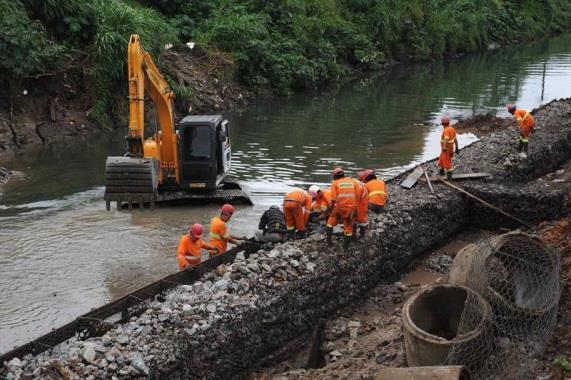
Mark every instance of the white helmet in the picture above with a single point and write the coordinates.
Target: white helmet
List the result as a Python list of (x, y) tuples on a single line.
[(313, 189)]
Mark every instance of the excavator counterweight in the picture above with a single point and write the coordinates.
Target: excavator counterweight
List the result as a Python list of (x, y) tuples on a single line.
[(188, 161)]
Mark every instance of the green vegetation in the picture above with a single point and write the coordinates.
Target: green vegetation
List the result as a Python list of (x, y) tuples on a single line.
[(281, 45), (562, 363)]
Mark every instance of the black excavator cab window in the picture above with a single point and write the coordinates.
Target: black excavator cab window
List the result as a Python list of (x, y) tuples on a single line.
[(197, 144)]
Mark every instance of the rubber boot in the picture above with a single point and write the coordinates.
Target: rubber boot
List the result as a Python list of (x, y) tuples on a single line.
[(520, 146), (328, 234), (525, 146), (441, 171), (362, 231), (290, 235), (346, 241), (449, 174), (301, 234)]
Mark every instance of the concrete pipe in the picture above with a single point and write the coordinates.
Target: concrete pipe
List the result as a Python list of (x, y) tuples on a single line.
[(455, 372), (431, 321), (517, 274)]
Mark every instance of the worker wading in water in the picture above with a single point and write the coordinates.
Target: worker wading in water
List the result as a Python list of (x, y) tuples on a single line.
[(345, 196), (447, 143), (219, 234), (190, 245), (526, 123), (377, 190), (272, 224), (362, 207), (297, 204)]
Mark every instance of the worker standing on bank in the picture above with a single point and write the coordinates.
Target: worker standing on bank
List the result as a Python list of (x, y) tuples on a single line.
[(378, 192), (345, 196), (321, 200), (190, 246), (362, 206), (297, 205), (526, 123), (447, 143), (219, 234)]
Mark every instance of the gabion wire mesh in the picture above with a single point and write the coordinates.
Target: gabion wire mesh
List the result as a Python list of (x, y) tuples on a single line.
[(519, 277)]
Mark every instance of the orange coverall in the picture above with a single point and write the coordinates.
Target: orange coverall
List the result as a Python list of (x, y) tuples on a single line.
[(345, 192), (363, 204), (219, 234), (297, 204), (321, 203), (525, 122), (377, 192), (188, 252), (447, 148)]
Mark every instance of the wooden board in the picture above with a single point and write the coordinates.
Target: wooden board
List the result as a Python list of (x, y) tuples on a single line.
[(457, 176), (410, 181)]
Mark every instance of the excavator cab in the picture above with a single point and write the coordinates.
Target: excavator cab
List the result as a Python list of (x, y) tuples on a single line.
[(205, 152)]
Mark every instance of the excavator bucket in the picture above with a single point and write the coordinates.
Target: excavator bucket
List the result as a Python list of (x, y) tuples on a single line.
[(131, 180)]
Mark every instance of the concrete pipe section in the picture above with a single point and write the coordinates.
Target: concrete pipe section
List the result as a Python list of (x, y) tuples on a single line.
[(425, 373), (431, 320)]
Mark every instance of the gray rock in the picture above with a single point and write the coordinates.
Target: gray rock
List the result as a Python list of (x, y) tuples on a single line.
[(110, 357), (186, 310), (211, 308), (310, 267), (106, 341), (89, 353), (123, 339), (163, 317), (222, 284), (15, 363), (336, 353), (139, 365)]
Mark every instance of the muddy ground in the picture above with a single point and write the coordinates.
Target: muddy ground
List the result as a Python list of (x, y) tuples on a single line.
[(362, 339)]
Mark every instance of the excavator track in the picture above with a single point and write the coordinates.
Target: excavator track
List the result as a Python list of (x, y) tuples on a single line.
[(131, 180)]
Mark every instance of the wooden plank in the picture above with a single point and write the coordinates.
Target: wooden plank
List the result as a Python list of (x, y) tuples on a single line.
[(410, 181), (456, 176)]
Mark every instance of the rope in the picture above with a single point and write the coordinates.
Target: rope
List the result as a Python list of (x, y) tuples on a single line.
[(486, 203)]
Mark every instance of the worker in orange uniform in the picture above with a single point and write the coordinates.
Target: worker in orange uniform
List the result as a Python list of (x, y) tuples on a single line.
[(345, 196), (321, 200), (362, 206), (297, 205), (189, 246), (526, 124), (447, 143), (378, 193), (219, 235)]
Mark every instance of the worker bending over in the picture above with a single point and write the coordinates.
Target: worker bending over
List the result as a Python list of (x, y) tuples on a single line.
[(297, 204), (272, 224), (362, 207), (321, 200), (447, 143), (378, 193), (219, 234), (344, 198), (190, 246), (526, 123)]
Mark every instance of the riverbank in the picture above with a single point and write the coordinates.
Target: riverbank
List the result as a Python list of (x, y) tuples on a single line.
[(261, 302)]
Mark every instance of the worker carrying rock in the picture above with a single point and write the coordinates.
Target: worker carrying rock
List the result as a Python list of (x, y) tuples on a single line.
[(377, 190), (447, 143), (526, 123), (362, 207), (272, 225), (345, 196), (190, 245), (219, 234), (297, 204), (321, 201)]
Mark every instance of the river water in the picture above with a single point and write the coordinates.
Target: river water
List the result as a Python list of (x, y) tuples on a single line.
[(62, 254)]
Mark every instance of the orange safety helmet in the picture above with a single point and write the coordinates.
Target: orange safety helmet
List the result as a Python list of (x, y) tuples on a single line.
[(227, 209), (196, 230), (511, 108), (445, 120), (337, 171)]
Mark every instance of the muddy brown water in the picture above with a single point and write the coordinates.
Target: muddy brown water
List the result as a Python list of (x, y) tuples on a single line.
[(62, 254)]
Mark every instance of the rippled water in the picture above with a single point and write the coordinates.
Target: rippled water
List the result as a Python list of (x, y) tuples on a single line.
[(61, 253)]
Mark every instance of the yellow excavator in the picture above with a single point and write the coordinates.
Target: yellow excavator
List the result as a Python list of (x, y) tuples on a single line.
[(188, 161)]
